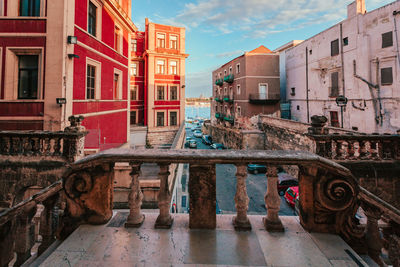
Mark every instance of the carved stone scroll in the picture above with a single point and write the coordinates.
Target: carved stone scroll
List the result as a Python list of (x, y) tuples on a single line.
[(272, 222), (135, 218), (241, 221), (164, 219)]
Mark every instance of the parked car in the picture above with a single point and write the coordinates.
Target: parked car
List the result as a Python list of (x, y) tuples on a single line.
[(256, 168), (284, 185), (188, 139), (206, 139), (291, 194), (217, 146), (197, 134), (192, 144)]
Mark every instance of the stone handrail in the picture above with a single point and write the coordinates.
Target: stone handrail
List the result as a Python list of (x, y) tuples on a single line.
[(16, 225), (358, 146), (378, 235)]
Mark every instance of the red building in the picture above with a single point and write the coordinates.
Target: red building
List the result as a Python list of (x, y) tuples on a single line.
[(158, 81), (62, 58)]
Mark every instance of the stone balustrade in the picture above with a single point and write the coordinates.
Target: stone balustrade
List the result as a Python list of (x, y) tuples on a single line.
[(352, 147), (382, 228), (17, 225)]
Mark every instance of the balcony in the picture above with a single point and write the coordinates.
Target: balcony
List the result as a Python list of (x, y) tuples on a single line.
[(228, 98), (218, 115), (219, 82), (264, 98), (217, 99), (229, 78), (95, 234), (229, 119)]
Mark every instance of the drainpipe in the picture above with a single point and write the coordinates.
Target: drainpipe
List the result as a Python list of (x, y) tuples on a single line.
[(395, 32), (342, 58), (308, 107)]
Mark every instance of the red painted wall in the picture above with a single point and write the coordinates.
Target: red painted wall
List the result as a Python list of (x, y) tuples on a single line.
[(23, 26)]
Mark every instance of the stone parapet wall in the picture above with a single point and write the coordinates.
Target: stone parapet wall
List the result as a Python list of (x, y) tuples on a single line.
[(162, 136)]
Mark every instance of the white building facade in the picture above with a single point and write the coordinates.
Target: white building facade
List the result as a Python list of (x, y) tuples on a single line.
[(357, 58)]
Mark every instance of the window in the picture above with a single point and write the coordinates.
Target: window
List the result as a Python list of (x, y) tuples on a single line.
[(387, 39), (161, 40), (117, 39), (334, 90), (160, 67), (310, 51), (173, 67), (160, 92), (173, 42), (134, 70), (386, 76), (239, 111), (345, 41), (134, 95), (334, 119), (230, 70), (293, 91), (92, 19), (29, 8), (225, 72), (238, 89), (134, 45), (230, 91), (237, 68), (335, 47), (298, 107), (28, 69), (115, 86), (174, 92), (133, 117), (90, 82), (160, 118), (225, 91), (183, 201), (173, 115), (1, 7)]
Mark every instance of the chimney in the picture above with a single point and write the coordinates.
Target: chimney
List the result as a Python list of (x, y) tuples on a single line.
[(355, 8)]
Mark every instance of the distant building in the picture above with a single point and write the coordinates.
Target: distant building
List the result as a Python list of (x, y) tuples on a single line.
[(357, 58), (62, 58), (158, 80), (246, 86)]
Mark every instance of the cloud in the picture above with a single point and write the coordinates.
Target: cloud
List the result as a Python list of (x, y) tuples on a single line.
[(258, 18), (229, 54), (199, 83)]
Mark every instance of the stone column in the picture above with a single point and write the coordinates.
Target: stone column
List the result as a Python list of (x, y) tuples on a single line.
[(272, 222), (164, 220), (46, 223), (135, 218), (24, 240), (202, 197), (373, 237), (241, 221)]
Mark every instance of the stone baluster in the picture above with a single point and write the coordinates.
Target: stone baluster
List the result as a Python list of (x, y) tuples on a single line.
[(373, 237), (24, 240), (350, 149), (363, 152), (36, 145), (7, 238), (164, 219), (57, 146), (388, 149), (374, 149), (241, 221), (339, 149), (272, 221), (47, 225), (47, 146), (136, 217)]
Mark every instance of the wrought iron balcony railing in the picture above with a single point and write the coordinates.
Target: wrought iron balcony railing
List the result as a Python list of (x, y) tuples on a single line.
[(229, 119), (264, 98), (228, 98), (218, 99), (229, 78), (219, 82)]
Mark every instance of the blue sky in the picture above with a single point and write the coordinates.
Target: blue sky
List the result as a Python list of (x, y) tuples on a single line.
[(220, 30)]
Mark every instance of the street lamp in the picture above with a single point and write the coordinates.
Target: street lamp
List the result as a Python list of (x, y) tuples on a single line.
[(341, 101)]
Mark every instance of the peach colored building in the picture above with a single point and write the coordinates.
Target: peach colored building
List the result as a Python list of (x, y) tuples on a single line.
[(357, 58), (62, 58), (246, 86), (158, 80)]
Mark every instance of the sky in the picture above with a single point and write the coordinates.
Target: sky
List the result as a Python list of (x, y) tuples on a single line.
[(217, 31)]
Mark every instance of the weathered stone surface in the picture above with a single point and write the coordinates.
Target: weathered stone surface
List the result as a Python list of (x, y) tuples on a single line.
[(202, 196)]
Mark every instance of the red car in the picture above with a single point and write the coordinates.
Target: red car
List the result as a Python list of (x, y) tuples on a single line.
[(291, 194)]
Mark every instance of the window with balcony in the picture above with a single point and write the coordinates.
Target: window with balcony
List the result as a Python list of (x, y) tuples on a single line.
[(386, 76), (160, 66), (173, 67), (160, 119), (174, 92), (230, 70), (134, 69), (173, 42), (225, 72), (160, 92), (334, 90), (134, 45), (160, 40), (28, 76), (29, 8), (90, 82), (134, 91), (335, 47), (239, 111), (173, 118), (387, 39), (92, 18)]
